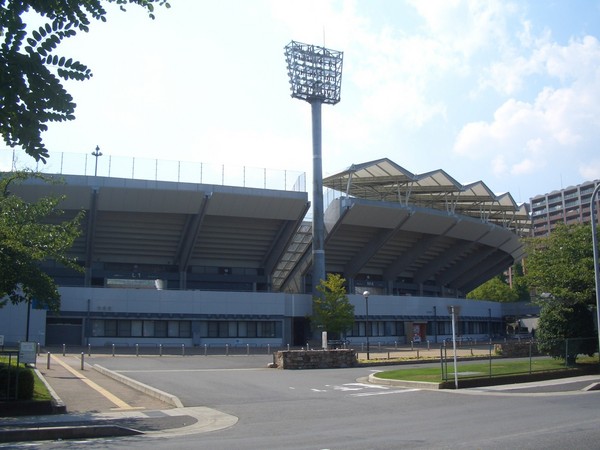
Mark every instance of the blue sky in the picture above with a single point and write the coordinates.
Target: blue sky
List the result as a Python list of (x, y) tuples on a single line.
[(499, 91)]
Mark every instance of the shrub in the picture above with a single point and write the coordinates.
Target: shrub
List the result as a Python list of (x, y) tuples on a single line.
[(8, 383)]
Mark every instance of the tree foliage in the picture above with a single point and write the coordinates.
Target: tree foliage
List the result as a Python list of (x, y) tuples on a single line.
[(566, 330), (495, 290), (332, 310), (498, 288), (31, 91), (560, 267), (30, 233)]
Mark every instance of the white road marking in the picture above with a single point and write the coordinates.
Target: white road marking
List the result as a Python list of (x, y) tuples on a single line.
[(368, 394)]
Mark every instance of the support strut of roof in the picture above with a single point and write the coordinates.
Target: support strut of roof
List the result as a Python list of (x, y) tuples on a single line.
[(91, 231), (190, 235)]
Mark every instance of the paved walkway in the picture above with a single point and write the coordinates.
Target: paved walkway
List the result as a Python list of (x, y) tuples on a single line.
[(98, 405)]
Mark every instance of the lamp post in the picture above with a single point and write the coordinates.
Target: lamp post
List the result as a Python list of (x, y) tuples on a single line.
[(367, 330), (97, 153), (596, 270), (316, 77)]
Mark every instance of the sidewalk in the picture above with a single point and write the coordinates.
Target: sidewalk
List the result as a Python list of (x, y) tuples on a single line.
[(98, 405)]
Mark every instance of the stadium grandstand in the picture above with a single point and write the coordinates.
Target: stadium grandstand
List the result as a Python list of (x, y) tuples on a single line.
[(197, 258)]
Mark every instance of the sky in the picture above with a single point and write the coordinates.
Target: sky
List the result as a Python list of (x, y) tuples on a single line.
[(499, 91)]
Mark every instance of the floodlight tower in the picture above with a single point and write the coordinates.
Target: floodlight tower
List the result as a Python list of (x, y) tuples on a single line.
[(315, 76)]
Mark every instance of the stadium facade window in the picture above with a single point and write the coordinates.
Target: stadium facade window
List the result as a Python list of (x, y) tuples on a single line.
[(141, 328)]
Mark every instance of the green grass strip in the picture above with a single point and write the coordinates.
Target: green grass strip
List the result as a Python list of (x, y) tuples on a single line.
[(433, 373)]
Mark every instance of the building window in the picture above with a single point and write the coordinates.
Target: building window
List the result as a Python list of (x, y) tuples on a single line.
[(240, 329)]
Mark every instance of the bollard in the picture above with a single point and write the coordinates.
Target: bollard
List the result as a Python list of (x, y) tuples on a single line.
[(159, 349), (307, 347), (64, 349), (137, 349), (89, 349), (248, 349), (412, 346), (182, 349), (226, 349), (113, 350), (288, 347), (379, 345), (388, 355), (428, 347), (362, 347), (39, 346), (82, 358), (205, 349), (396, 345), (269, 349), (48, 362)]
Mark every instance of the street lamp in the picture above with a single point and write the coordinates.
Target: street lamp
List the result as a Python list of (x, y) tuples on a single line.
[(96, 153), (367, 330), (596, 270), (316, 77)]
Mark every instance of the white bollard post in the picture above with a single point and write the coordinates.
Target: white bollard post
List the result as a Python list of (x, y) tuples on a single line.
[(113, 350)]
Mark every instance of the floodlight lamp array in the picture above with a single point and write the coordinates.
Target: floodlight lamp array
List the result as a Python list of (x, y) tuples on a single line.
[(315, 72)]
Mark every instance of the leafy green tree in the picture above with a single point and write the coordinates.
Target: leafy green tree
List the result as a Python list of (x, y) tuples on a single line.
[(332, 311), (560, 322), (496, 290), (31, 92), (30, 233), (560, 267)]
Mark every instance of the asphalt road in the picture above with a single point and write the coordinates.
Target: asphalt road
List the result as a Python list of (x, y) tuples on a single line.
[(337, 409)]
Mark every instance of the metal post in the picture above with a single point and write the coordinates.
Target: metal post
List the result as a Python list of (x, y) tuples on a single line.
[(64, 349), (318, 229), (226, 349), (367, 330), (159, 349), (137, 350), (89, 349), (48, 362), (182, 349), (113, 350), (454, 347), (596, 269), (82, 360), (205, 349), (248, 349)]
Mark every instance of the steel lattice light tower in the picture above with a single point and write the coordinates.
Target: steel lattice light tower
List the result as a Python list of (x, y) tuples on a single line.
[(315, 76)]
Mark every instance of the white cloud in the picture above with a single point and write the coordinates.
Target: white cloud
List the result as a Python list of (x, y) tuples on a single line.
[(558, 127), (590, 170)]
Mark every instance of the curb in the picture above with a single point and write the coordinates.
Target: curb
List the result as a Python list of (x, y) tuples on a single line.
[(148, 390), (72, 432), (58, 406), (401, 383)]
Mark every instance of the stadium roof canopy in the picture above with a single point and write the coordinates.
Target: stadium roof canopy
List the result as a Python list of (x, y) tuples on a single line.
[(426, 234), (384, 180)]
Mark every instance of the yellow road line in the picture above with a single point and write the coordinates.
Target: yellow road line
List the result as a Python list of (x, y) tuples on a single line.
[(109, 396)]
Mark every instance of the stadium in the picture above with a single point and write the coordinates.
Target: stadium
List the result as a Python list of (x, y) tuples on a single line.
[(212, 261)]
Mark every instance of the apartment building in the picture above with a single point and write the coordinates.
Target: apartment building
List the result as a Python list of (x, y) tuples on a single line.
[(567, 206)]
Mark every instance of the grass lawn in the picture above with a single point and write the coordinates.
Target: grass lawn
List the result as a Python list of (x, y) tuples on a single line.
[(481, 369)]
